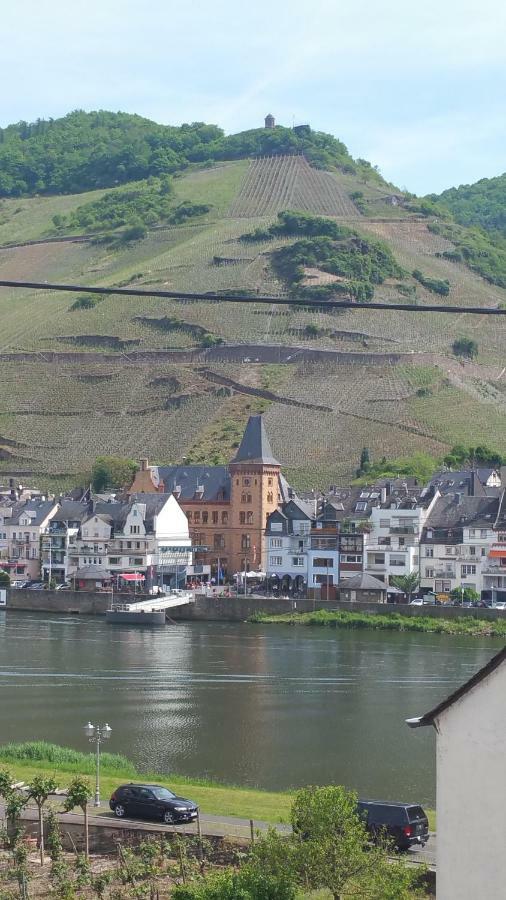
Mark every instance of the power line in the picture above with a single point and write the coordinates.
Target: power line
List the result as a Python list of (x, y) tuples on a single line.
[(238, 298)]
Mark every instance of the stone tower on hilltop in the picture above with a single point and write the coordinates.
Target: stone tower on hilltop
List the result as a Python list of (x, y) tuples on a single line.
[(254, 495), (270, 121)]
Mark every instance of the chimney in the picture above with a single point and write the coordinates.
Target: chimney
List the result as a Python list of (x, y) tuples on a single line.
[(144, 464), (383, 496), (12, 489)]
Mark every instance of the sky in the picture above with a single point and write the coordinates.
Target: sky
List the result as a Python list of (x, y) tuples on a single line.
[(416, 88)]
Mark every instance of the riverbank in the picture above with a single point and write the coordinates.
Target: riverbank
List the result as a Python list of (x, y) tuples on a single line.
[(26, 760), (386, 621)]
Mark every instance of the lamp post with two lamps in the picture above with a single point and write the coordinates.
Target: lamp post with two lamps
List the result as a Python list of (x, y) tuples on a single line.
[(96, 734)]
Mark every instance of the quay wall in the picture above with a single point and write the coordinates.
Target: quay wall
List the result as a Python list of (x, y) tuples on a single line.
[(227, 609)]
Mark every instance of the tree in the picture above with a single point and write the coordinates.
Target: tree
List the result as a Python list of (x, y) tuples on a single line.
[(78, 794), (330, 849), (40, 788), (465, 347), (464, 595), (407, 583), (111, 472), (5, 579), (14, 803), (365, 463)]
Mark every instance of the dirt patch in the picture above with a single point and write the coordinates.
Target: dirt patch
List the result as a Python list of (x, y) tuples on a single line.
[(98, 340), (257, 392), (169, 383)]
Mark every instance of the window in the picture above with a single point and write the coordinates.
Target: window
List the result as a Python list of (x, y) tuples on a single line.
[(323, 562), (219, 542), (468, 570), (224, 518), (134, 529), (242, 518), (276, 542), (483, 532), (276, 526), (361, 506), (397, 560), (270, 497), (429, 551), (245, 542), (205, 517), (276, 560), (297, 561), (34, 552), (114, 560), (196, 517), (323, 579), (269, 482), (379, 559), (249, 518), (449, 551), (129, 545), (472, 551), (384, 523), (429, 573), (352, 558), (246, 482), (483, 551), (472, 532)]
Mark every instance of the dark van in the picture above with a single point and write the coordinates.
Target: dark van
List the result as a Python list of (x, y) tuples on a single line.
[(404, 823)]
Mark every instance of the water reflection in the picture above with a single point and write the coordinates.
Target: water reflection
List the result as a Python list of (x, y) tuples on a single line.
[(272, 706)]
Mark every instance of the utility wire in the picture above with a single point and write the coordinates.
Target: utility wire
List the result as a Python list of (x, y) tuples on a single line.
[(237, 298)]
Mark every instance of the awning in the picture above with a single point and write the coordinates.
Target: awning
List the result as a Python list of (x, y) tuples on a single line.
[(132, 576), (498, 553)]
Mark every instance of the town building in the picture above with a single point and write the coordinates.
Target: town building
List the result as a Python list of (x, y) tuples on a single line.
[(396, 524), (227, 506), (22, 525), (145, 538), (456, 541), (470, 728)]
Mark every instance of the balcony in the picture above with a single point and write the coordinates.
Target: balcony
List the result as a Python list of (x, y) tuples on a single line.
[(404, 529)]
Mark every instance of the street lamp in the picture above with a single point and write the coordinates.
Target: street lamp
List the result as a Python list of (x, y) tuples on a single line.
[(97, 734)]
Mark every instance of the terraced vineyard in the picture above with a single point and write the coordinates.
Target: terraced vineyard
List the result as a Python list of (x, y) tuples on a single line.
[(275, 183), (132, 375)]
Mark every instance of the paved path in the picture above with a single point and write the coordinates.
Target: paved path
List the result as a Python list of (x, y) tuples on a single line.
[(213, 826)]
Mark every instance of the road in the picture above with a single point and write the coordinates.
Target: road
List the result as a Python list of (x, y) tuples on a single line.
[(213, 826)]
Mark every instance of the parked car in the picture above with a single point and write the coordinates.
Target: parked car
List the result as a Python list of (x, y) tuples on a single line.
[(152, 801), (403, 823), (35, 586), (500, 605), (418, 601), (63, 587)]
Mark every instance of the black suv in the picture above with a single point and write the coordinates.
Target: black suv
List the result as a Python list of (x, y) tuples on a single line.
[(403, 823), (151, 801)]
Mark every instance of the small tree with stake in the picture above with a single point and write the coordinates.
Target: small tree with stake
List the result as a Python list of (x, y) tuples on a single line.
[(40, 789), (78, 794)]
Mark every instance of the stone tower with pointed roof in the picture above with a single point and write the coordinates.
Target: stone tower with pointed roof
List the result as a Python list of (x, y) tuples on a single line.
[(254, 495)]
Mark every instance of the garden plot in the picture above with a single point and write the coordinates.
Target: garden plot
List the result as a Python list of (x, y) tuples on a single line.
[(274, 183)]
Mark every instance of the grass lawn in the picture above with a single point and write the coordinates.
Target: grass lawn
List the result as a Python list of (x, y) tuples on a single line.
[(213, 798)]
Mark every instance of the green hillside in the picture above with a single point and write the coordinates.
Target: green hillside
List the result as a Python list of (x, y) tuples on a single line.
[(482, 203), (145, 376)]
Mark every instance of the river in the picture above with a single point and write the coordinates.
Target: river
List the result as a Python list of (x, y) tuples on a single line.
[(271, 706)]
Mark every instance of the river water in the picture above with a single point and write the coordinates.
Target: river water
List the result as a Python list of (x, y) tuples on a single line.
[(273, 706)]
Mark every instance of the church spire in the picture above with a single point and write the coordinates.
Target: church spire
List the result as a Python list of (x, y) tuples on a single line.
[(255, 446)]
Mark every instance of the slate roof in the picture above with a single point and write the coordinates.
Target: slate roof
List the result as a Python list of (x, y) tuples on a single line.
[(89, 572), (453, 512), (71, 511), (214, 479), (467, 481), (255, 446), (41, 508), (362, 582), (430, 717)]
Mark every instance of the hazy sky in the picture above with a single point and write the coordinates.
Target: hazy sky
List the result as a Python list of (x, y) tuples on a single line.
[(417, 88)]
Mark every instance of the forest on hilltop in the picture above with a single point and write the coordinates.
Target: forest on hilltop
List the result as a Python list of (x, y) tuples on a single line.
[(87, 150), (482, 203)]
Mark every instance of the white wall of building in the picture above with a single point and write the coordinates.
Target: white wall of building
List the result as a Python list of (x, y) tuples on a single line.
[(471, 793)]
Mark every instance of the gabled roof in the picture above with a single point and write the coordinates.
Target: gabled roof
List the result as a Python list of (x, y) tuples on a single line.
[(461, 511), (362, 582), (255, 446), (71, 511), (40, 508), (430, 717)]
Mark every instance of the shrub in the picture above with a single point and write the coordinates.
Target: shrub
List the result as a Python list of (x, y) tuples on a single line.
[(465, 347), (435, 285)]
